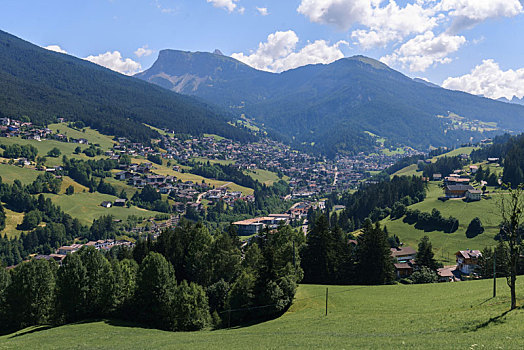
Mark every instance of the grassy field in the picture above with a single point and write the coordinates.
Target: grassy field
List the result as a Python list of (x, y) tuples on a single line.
[(439, 316), (213, 161), (45, 146), (445, 244), (10, 173), (93, 136), (12, 219), (264, 176), (86, 207)]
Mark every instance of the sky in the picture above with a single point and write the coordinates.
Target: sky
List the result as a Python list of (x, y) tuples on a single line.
[(469, 45)]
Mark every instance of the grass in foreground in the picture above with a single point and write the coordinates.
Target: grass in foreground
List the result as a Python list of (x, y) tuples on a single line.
[(438, 316)]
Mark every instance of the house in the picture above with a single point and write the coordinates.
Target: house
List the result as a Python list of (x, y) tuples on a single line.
[(404, 269), (437, 177), (403, 254), (447, 274), (493, 160), (24, 162), (106, 204), (473, 195), (467, 260), (457, 191), (473, 169), (120, 202)]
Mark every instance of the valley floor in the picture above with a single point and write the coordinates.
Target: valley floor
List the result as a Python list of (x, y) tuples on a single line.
[(437, 316)]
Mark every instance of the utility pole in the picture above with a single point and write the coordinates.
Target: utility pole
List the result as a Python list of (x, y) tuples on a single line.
[(326, 301), (495, 274)]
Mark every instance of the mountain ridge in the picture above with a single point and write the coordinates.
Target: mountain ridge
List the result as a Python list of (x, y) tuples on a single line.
[(43, 84), (328, 105)]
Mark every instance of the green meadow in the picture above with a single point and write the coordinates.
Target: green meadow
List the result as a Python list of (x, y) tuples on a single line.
[(434, 316), (445, 245), (86, 207)]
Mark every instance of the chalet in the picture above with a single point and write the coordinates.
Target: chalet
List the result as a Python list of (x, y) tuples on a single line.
[(404, 260), (473, 195), (120, 202), (447, 274), (473, 169), (106, 204), (124, 175), (457, 191), (467, 260), (493, 160), (403, 254), (437, 177)]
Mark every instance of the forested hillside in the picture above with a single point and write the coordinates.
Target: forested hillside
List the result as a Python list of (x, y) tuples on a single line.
[(44, 85)]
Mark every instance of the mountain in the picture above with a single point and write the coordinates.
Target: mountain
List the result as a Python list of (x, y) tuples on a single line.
[(514, 100), (44, 85), (331, 107)]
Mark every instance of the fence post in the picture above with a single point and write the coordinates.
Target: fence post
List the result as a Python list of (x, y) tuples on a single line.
[(326, 301), (494, 274)]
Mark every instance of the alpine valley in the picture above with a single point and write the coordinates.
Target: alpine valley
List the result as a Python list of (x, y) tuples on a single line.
[(338, 106)]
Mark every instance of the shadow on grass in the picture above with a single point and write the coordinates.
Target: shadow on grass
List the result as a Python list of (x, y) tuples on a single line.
[(30, 331), (497, 320)]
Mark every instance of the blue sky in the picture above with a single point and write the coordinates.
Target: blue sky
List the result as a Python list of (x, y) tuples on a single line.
[(470, 45)]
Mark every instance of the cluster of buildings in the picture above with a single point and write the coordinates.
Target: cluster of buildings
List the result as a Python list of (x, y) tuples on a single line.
[(103, 245), (467, 264), (26, 130)]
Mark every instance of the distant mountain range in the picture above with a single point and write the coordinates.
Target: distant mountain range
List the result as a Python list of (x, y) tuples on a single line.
[(44, 85), (336, 106), (514, 100)]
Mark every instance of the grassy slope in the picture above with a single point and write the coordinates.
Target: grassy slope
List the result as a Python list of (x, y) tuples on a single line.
[(264, 176), (12, 219), (91, 135), (47, 145), (441, 316), (445, 244), (86, 207), (10, 173), (164, 170)]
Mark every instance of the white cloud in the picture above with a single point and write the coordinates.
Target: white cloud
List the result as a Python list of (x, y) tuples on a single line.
[(279, 53), (143, 51), (383, 23), (425, 50), (379, 22), (262, 11), (489, 80), (114, 61), (55, 48), (226, 4), (467, 13)]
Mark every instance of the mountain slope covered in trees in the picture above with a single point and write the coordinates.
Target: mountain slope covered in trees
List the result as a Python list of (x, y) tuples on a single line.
[(44, 85), (331, 106)]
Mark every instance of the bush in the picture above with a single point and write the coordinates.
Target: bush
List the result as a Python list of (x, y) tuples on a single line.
[(424, 275)]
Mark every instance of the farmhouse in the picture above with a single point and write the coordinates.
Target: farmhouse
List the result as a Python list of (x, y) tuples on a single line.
[(467, 260), (473, 195), (106, 204), (457, 191), (120, 202), (405, 262)]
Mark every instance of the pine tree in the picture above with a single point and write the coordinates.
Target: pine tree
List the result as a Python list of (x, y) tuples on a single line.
[(425, 256), (375, 264)]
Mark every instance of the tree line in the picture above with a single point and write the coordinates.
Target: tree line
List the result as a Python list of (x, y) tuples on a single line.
[(186, 280)]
